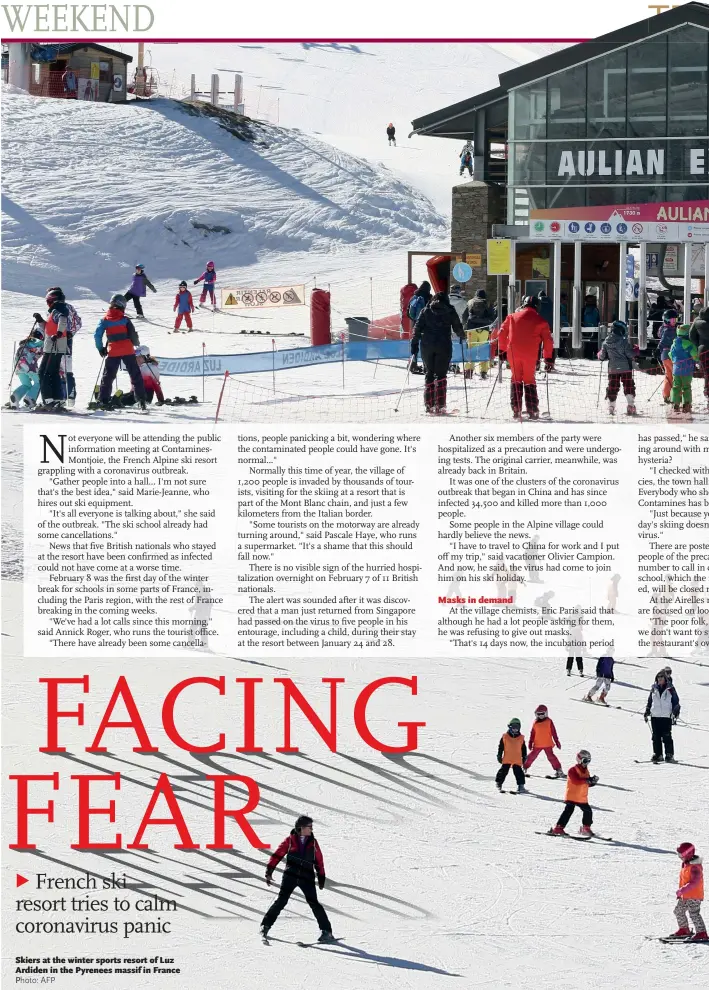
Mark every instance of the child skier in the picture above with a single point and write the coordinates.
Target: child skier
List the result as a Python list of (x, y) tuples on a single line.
[(183, 305), (466, 160), (150, 374), (28, 352), (543, 739), (418, 302), (690, 895), (209, 276), (619, 353), (577, 784), (55, 348), (604, 679), (391, 134), (668, 334), (121, 341), (479, 319), (136, 292), (683, 355), (303, 859), (570, 664), (512, 752)]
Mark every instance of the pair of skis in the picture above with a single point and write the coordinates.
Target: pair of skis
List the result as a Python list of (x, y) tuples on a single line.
[(576, 838)]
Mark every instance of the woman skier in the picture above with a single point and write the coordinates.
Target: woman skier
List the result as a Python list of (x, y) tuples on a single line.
[(578, 781), (304, 861), (542, 739), (662, 711)]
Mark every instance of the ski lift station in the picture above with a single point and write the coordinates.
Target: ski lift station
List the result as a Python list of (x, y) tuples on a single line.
[(591, 169)]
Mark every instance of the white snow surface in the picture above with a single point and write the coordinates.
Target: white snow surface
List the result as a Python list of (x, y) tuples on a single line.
[(433, 876)]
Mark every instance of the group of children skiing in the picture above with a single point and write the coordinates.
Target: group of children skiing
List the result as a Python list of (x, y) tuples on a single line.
[(43, 360)]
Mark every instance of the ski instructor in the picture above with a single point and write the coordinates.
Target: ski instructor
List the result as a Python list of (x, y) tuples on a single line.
[(433, 329), (521, 335), (304, 861)]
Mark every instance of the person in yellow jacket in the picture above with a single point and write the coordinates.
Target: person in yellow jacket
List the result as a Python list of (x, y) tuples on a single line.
[(477, 324), (511, 753), (578, 781), (690, 895)]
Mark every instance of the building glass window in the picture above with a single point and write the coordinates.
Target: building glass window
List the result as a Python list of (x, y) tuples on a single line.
[(604, 196), (530, 164), (565, 196), (566, 104), (606, 86), (687, 110), (647, 88), (530, 112)]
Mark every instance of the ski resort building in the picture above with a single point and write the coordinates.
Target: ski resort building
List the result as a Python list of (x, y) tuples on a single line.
[(99, 73), (584, 153)]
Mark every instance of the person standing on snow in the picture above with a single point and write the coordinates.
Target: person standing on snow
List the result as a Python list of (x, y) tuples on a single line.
[(521, 335), (55, 347), (184, 306), (604, 679), (683, 355), (137, 290), (690, 895), (28, 350), (620, 354), (570, 664), (150, 374), (479, 319), (304, 860), (699, 335), (512, 753), (543, 739), (209, 277), (433, 328), (668, 335), (578, 782), (662, 710), (121, 341), (391, 134), (418, 302)]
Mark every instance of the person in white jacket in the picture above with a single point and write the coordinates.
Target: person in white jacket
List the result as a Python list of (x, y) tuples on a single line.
[(662, 710)]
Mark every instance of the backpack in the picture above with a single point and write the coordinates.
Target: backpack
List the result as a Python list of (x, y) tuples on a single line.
[(416, 304), (73, 323)]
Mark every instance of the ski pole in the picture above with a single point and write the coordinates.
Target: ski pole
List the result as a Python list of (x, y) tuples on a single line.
[(465, 381), (19, 356), (662, 380), (546, 375), (408, 372), (498, 378), (93, 391), (600, 378)]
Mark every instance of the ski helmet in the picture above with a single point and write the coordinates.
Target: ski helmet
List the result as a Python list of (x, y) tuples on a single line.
[(686, 851), (530, 302), (620, 328), (117, 301), (302, 821), (514, 723), (668, 671), (142, 351), (669, 314), (141, 267), (541, 711), (210, 264), (183, 284), (583, 756), (683, 330), (53, 296), (37, 334)]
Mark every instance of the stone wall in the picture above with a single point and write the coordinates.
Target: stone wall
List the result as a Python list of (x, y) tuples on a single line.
[(476, 207)]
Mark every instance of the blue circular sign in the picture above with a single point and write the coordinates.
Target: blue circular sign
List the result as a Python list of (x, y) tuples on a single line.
[(621, 228), (606, 228), (574, 227), (462, 272), (589, 228)]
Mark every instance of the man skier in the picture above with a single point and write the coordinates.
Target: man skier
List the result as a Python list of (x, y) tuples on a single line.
[(304, 860), (520, 337)]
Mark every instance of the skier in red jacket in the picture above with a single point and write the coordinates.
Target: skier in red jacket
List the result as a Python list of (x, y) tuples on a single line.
[(304, 860), (543, 739), (520, 336)]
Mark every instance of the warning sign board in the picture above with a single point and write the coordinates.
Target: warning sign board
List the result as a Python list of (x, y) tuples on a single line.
[(277, 295)]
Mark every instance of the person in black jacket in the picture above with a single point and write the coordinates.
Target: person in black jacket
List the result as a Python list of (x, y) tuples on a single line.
[(304, 861), (391, 134), (662, 710), (699, 335), (433, 329)]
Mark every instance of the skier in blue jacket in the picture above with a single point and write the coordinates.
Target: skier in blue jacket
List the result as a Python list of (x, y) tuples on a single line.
[(604, 679)]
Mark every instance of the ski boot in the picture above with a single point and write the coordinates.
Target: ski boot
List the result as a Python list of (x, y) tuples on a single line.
[(687, 409), (29, 403), (676, 407), (585, 831), (326, 937), (142, 406), (192, 399), (12, 403), (263, 931), (483, 375), (631, 410), (560, 775), (611, 408), (521, 789), (533, 415), (656, 759), (667, 400), (557, 830), (602, 699), (568, 673), (587, 697), (699, 937), (498, 786), (670, 759), (680, 934)]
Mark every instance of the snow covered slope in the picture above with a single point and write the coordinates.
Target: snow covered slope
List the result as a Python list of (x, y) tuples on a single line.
[(90, 189)]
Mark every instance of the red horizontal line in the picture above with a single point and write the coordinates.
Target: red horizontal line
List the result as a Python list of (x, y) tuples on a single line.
[(104, 39)]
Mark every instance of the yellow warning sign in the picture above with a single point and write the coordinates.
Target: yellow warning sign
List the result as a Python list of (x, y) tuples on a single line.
[(262, 298)]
